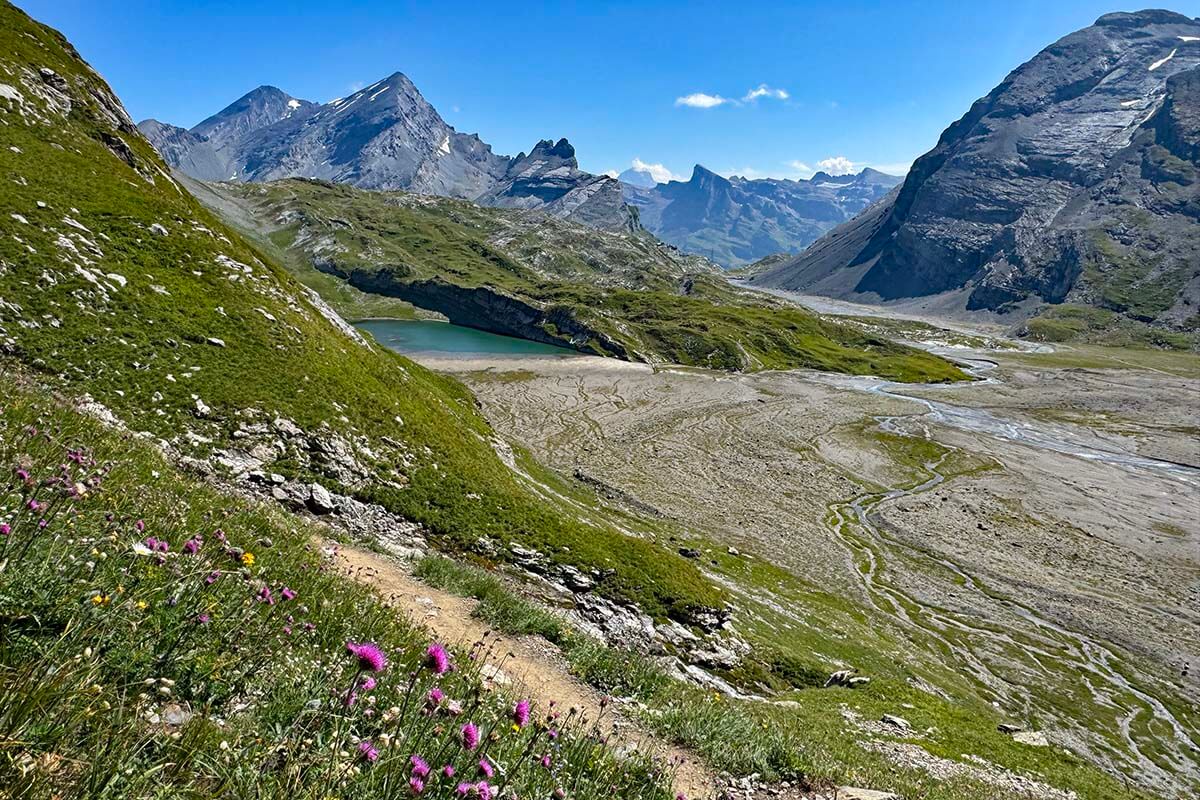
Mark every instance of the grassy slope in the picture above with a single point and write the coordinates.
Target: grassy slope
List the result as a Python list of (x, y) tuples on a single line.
[(105, 653), (627, 287), (142, 348)]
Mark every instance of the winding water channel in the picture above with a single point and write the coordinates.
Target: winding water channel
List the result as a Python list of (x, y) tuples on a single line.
[(1053, 650)]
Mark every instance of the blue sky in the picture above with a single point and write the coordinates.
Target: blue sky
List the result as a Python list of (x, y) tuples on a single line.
[(752, 88)]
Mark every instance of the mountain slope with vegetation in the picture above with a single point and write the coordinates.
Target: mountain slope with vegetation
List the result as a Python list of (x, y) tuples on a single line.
[(1074, 183), (525, 274), (117, 284)]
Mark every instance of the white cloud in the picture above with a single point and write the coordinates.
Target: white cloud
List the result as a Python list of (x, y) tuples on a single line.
[(764, 91), (895, 168), (701, 100), (804, 170), (657, 171), (705, 100), (612, 173), (839, 165)]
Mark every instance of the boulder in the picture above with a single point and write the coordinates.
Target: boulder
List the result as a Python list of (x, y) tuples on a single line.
[(319, 499)]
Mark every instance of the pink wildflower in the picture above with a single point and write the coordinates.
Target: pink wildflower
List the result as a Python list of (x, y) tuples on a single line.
[(288, 594), (470, 736), (420, 768), (546, 761), (140, 526), (5, 530), (448, 770), (264, 596), (368, 750), (191, 546), (520, 713), (416, 785), (368, 683), (485, 767), (370, 657), (435, 697), (437, 659)]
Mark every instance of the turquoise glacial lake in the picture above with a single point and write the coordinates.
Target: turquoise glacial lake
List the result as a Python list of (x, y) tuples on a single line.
[(426, 337)]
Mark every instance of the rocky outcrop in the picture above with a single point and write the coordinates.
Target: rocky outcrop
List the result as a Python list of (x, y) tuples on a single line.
[(386, 136), (736, 221), (1073, 180), (549, 179), (483, 308)]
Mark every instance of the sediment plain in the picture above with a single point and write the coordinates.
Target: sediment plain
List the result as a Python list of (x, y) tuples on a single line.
[(1030, 539)]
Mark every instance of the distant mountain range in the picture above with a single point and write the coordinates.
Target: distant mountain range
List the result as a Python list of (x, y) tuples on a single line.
[(1076, 180), (386, 136), (735, 221)]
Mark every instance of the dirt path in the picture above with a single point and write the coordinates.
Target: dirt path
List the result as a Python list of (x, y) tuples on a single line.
[(534, 664)]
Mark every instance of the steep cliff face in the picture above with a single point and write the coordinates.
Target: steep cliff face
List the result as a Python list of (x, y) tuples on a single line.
[(386, 136), (735, 221), (1074, 180)]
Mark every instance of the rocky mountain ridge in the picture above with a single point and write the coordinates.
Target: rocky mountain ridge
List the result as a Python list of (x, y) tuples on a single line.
[(385, 136), (736, 220), (1076, 181)]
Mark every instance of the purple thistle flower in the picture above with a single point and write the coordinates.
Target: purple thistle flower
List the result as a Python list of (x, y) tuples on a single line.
[(435, 697), (5, 530), (139, 526), (264, 596), (546, 761), (191, 546), (212, 578), (23, 475), (448, 770), (288, 594), (485, 768), (437, 659), (470, 736), (419, 767), (369, 656), (484, 789), (416, 785), (368, 750), (368, 683), (464, 788), (203, 619), (520, 713)]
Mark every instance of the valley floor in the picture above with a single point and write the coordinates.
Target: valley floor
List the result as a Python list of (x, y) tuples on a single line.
[(1027, 542)]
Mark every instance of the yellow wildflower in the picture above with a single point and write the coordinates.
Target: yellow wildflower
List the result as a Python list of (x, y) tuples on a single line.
[(248, 559), (101, 599), (141, 605)]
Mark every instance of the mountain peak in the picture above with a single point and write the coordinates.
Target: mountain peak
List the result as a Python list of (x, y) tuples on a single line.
[(548, 148), (702, 173), (1137, 19)]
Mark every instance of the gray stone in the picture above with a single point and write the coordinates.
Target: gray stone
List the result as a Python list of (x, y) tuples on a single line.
[(319, 499)]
